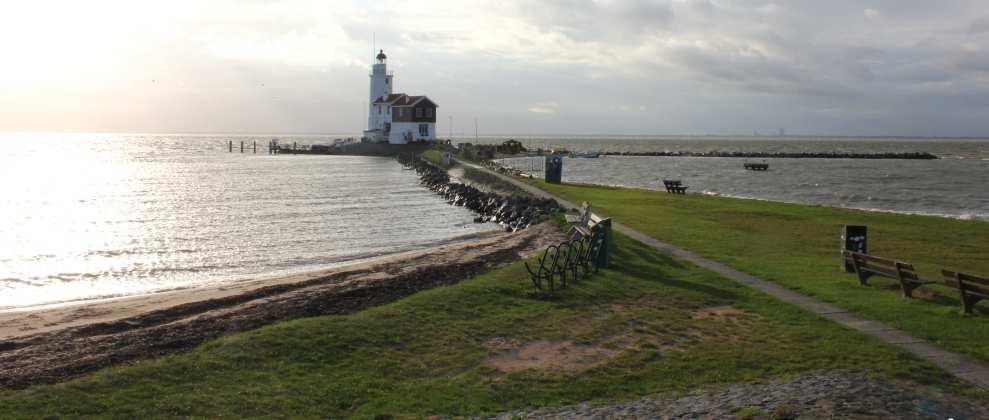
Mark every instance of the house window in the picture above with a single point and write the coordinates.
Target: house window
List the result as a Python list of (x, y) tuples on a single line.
[(418, 112), (379, 109), (424, 130), (401, 112), (429, 113)]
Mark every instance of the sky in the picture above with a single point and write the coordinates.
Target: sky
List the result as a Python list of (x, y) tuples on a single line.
[(653, 67)]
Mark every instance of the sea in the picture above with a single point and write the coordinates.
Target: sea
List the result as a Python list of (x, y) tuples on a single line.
[(956, 185), (93, 216)]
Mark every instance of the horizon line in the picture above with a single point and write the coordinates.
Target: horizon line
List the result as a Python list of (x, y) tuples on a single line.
[(463, 135)]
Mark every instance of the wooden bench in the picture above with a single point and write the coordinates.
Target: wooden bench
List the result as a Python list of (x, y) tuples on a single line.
[(972, 288), (866, 266), (674, 186), (582, 217), (569, 260), (590, 227), (584, 222), (596, 230)]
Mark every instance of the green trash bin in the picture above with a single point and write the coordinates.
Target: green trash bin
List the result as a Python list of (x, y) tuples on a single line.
[(604, 228)]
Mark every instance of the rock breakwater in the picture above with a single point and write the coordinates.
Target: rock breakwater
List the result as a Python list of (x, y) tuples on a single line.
[(513, 212), (783, 155)]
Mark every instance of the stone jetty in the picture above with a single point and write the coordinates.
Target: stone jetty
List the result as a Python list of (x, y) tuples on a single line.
[(513, 212), (783, 155)]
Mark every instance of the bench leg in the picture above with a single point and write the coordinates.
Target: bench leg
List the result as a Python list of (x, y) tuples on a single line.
[(863, 276), (908, 288), (969, 303)]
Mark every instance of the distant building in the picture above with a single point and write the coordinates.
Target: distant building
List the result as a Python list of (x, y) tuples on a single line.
[(397, 118), (511, 147)]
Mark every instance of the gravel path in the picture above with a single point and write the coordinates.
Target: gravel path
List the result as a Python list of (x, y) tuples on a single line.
[(822, 395)]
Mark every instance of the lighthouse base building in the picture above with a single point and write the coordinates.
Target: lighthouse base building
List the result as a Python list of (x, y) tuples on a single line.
[(397, 118)]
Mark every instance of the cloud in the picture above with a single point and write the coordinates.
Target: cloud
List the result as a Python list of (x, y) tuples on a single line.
[(698, 65), (979, 26), (551, 108)]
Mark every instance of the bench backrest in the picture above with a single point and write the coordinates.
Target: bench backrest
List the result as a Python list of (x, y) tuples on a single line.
[(976, 285), (884, 266), (595, 219), (671, 182), (867, 259), (585, 213)]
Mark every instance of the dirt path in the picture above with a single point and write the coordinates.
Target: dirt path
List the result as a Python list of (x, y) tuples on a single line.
[(93, 341)]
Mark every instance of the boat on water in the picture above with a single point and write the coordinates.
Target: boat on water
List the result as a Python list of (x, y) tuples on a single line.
[(574, 155)]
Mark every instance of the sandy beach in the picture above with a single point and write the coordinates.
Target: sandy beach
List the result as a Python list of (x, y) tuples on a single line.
[(50, 344), (23, 322)]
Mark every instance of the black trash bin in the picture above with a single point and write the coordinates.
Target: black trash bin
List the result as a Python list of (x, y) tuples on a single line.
[(554, 169), (853, 238)]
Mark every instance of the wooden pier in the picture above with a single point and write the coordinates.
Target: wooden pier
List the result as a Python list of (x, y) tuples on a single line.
[(345, 147)]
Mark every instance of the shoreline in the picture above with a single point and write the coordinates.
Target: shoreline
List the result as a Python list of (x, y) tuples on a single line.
[(48, 317), (265, 277), (56, 345)]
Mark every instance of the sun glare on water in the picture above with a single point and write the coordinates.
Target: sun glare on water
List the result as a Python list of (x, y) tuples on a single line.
[(49, 202)]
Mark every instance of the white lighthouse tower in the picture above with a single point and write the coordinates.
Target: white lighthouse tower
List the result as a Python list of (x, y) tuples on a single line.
[(381, 85)]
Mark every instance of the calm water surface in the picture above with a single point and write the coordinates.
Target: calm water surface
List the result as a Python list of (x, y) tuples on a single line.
[(957, 185), (84, 216), (87, 216)]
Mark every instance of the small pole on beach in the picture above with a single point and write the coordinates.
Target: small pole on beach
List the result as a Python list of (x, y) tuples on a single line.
[(293, 145), (230, 147), (255, 146), (242, 146)]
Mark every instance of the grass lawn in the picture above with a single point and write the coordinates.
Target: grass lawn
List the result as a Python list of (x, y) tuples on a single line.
[(434, 157), (798, 246), (651, 324)]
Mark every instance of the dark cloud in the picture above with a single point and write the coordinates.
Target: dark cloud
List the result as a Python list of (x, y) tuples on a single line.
[(979, 26)]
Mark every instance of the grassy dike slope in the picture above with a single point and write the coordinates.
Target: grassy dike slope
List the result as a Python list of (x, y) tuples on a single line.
[(798, 246), (656, 324)]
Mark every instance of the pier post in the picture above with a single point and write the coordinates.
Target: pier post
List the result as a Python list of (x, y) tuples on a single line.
[(230, 147), (242, 146), (255, 142)]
